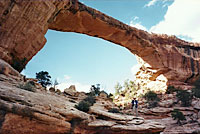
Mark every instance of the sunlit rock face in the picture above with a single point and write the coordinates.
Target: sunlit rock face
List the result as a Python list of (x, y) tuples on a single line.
[(149, 78), (24, 24)]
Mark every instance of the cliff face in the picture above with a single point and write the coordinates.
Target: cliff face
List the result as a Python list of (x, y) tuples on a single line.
[(24, 24)]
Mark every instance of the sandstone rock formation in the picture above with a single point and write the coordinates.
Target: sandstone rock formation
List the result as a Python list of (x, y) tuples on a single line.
[(23, 25), (162, 113), (42, 112)]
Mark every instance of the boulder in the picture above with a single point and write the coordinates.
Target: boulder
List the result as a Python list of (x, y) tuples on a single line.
[(196, 104), (71, 91), (166, 103), (7, 70)]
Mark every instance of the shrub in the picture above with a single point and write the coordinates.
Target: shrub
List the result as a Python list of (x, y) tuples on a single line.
[(196, 92), (152, 99), (27, 86), (177, 115), (83, 106), (32, 83), (185, 97), (171, 89), (114, 110), (151, 96), (90, 99)]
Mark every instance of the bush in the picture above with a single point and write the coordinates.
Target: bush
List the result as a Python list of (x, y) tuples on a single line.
[(196, 92), (151, 96), (177, 115), (83, 106), (152, 99), (27, 86), (90, 99), (171, 89), (32, 83), (114, 110), (185, 97)]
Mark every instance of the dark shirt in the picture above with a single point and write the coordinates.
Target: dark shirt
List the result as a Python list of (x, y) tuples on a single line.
[(134, 102)]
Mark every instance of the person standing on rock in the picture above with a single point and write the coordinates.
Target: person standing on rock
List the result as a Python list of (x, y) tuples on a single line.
[(135, 106)]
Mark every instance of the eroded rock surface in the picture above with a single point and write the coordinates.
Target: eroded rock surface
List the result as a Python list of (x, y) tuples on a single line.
[(39, 111), (24, 24)]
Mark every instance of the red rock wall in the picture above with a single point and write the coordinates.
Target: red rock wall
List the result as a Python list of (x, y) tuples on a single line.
[(24, 24)]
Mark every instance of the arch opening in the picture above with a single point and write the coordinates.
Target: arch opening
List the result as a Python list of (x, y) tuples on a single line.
[(81, 60)]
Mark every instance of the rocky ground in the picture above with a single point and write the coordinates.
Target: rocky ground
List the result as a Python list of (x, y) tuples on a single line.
[(162, 114), (39, 111)]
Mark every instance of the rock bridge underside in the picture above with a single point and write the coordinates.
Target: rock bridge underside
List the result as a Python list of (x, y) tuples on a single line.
[(163, 58)]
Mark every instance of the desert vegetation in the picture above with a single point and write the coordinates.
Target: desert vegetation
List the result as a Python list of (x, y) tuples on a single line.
[(152, 99), (178, 115), (29, 86)]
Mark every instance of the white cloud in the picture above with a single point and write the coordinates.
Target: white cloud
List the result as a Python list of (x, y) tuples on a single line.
[(79, 86), (181, 19), (66, 77), (138, 25), (136, 18), (66, 82), (151, 3)]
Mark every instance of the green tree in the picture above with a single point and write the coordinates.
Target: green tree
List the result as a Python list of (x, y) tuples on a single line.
[(95, 89), (43, 78), (177, 115), (185, 97), (118, 88)]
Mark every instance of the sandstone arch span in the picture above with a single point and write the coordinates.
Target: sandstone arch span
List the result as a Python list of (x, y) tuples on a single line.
[(23, 25)]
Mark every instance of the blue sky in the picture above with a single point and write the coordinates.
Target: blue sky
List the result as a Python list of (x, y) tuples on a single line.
[(82, 60)]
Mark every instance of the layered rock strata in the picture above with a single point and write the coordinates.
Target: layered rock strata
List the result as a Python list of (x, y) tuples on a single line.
[(23, 25), (43, 112)]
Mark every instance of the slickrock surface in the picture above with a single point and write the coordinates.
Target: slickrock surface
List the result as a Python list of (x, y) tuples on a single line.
[(45, 112), (162, 114), (23, 24)]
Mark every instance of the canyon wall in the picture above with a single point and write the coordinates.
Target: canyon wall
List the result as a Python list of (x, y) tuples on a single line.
[(23, 25)]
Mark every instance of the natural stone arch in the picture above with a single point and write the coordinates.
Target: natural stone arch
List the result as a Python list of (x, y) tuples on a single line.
[(24, 24)]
